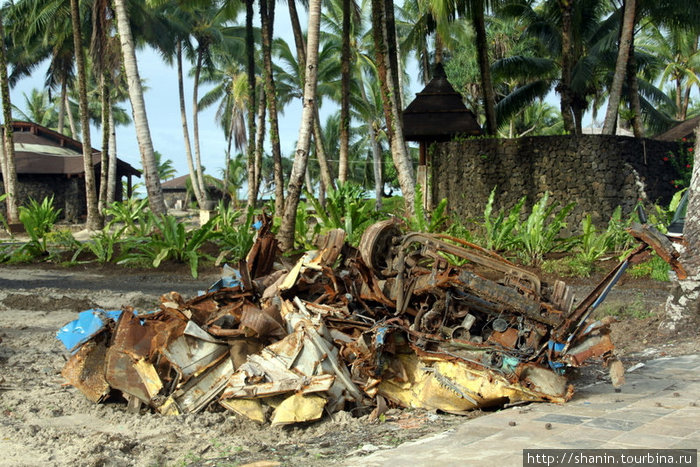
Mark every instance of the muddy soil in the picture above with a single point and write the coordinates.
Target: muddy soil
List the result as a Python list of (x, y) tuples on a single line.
[(44, 422)]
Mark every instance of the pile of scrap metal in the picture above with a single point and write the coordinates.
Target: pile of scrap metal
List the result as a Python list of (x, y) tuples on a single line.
[(395, 321)]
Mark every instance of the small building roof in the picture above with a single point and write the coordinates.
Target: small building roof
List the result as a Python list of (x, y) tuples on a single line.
[(438, 112), (180, 183), (684, 129), (40, 150)]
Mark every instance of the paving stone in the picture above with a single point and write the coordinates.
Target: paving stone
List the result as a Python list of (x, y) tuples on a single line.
[(648, 441), (563, 418), (613, 424)]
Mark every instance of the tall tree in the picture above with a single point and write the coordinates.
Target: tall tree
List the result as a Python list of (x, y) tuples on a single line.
[(250, 72), (683, 304), (319, 146), (383, 46), (626, 38), (143, 133), (296, 179), (7, 156), (345, 66), (266, 21), (94, 220)]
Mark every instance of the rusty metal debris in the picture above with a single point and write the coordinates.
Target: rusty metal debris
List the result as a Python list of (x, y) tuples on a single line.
[(395, 321)]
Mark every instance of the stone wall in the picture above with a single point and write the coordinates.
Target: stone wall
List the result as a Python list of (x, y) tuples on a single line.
[(68, 193), (596, 172)]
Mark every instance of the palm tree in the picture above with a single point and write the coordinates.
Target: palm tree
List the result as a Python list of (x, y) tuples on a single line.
[(626, 38), (677, 50), (166, 171), (267, 8), (7, 156), (143, 134), (94, 220), (682, 303), (384, 44), (296, 179), (39, 109)]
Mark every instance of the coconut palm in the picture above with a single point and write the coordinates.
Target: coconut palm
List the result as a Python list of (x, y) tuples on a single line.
[(7, 152), (385, 50), (143, 134), (94, 220), (267, 16), (296, 179)]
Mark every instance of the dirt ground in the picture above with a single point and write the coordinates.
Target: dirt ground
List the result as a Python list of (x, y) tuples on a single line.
[(43, 422)]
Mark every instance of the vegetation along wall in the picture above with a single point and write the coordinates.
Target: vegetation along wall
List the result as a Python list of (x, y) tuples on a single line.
[(596, 172)]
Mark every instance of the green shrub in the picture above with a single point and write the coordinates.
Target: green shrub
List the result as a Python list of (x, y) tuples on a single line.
[(423, 221), (235, 240), (499, 228), (346, 208), (131, 213), (38, 220), (170, 241), (655, 268), (539, 233)]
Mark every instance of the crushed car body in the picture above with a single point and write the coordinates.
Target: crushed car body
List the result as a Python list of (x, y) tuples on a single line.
[(411, 319)]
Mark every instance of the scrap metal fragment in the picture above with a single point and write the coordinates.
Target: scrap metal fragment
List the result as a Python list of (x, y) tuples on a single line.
[(85, 370), (298, 408), (199, 392)]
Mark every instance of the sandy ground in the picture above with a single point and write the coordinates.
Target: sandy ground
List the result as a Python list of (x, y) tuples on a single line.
[(43, 422)]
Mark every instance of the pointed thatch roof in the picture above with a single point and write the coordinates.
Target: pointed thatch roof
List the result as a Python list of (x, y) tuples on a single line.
[(438, 113), (684, 129)]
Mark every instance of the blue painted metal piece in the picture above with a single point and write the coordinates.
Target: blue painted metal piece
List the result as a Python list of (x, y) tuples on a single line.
[(509, 364), (88, 324), (230, 278)]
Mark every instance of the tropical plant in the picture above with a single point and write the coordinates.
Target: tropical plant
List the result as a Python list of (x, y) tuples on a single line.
[(499, 229), (131, 213), (234, 240), (432, 221), (346, 208), (38, 220), (102, 244), (170, 240), (539, 233)]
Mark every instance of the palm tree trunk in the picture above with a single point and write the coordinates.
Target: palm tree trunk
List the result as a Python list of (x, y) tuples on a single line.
[(403, 164), (195, 127), (62, 106), (71, 120), (104, 165), (564, 87), (250, 64), (484, 67), (266, 21), (322, 157), (345, 95), (326, 177), (112, 173), (93, 222), (260, 141), (376, 156), (623, 53), (143, 133), (683, 303), (7, 157), (633, 85), (301, 156), (185, 129)]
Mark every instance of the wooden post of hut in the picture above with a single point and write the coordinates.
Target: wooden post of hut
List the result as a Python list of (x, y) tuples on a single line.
[(437, 114)]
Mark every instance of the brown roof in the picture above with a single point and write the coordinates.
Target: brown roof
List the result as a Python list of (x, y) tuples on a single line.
[(684, 129), (39, 150), (180, 183), (438, 112)]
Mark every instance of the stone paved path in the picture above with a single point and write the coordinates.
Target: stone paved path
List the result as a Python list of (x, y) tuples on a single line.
[(658, 407)]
